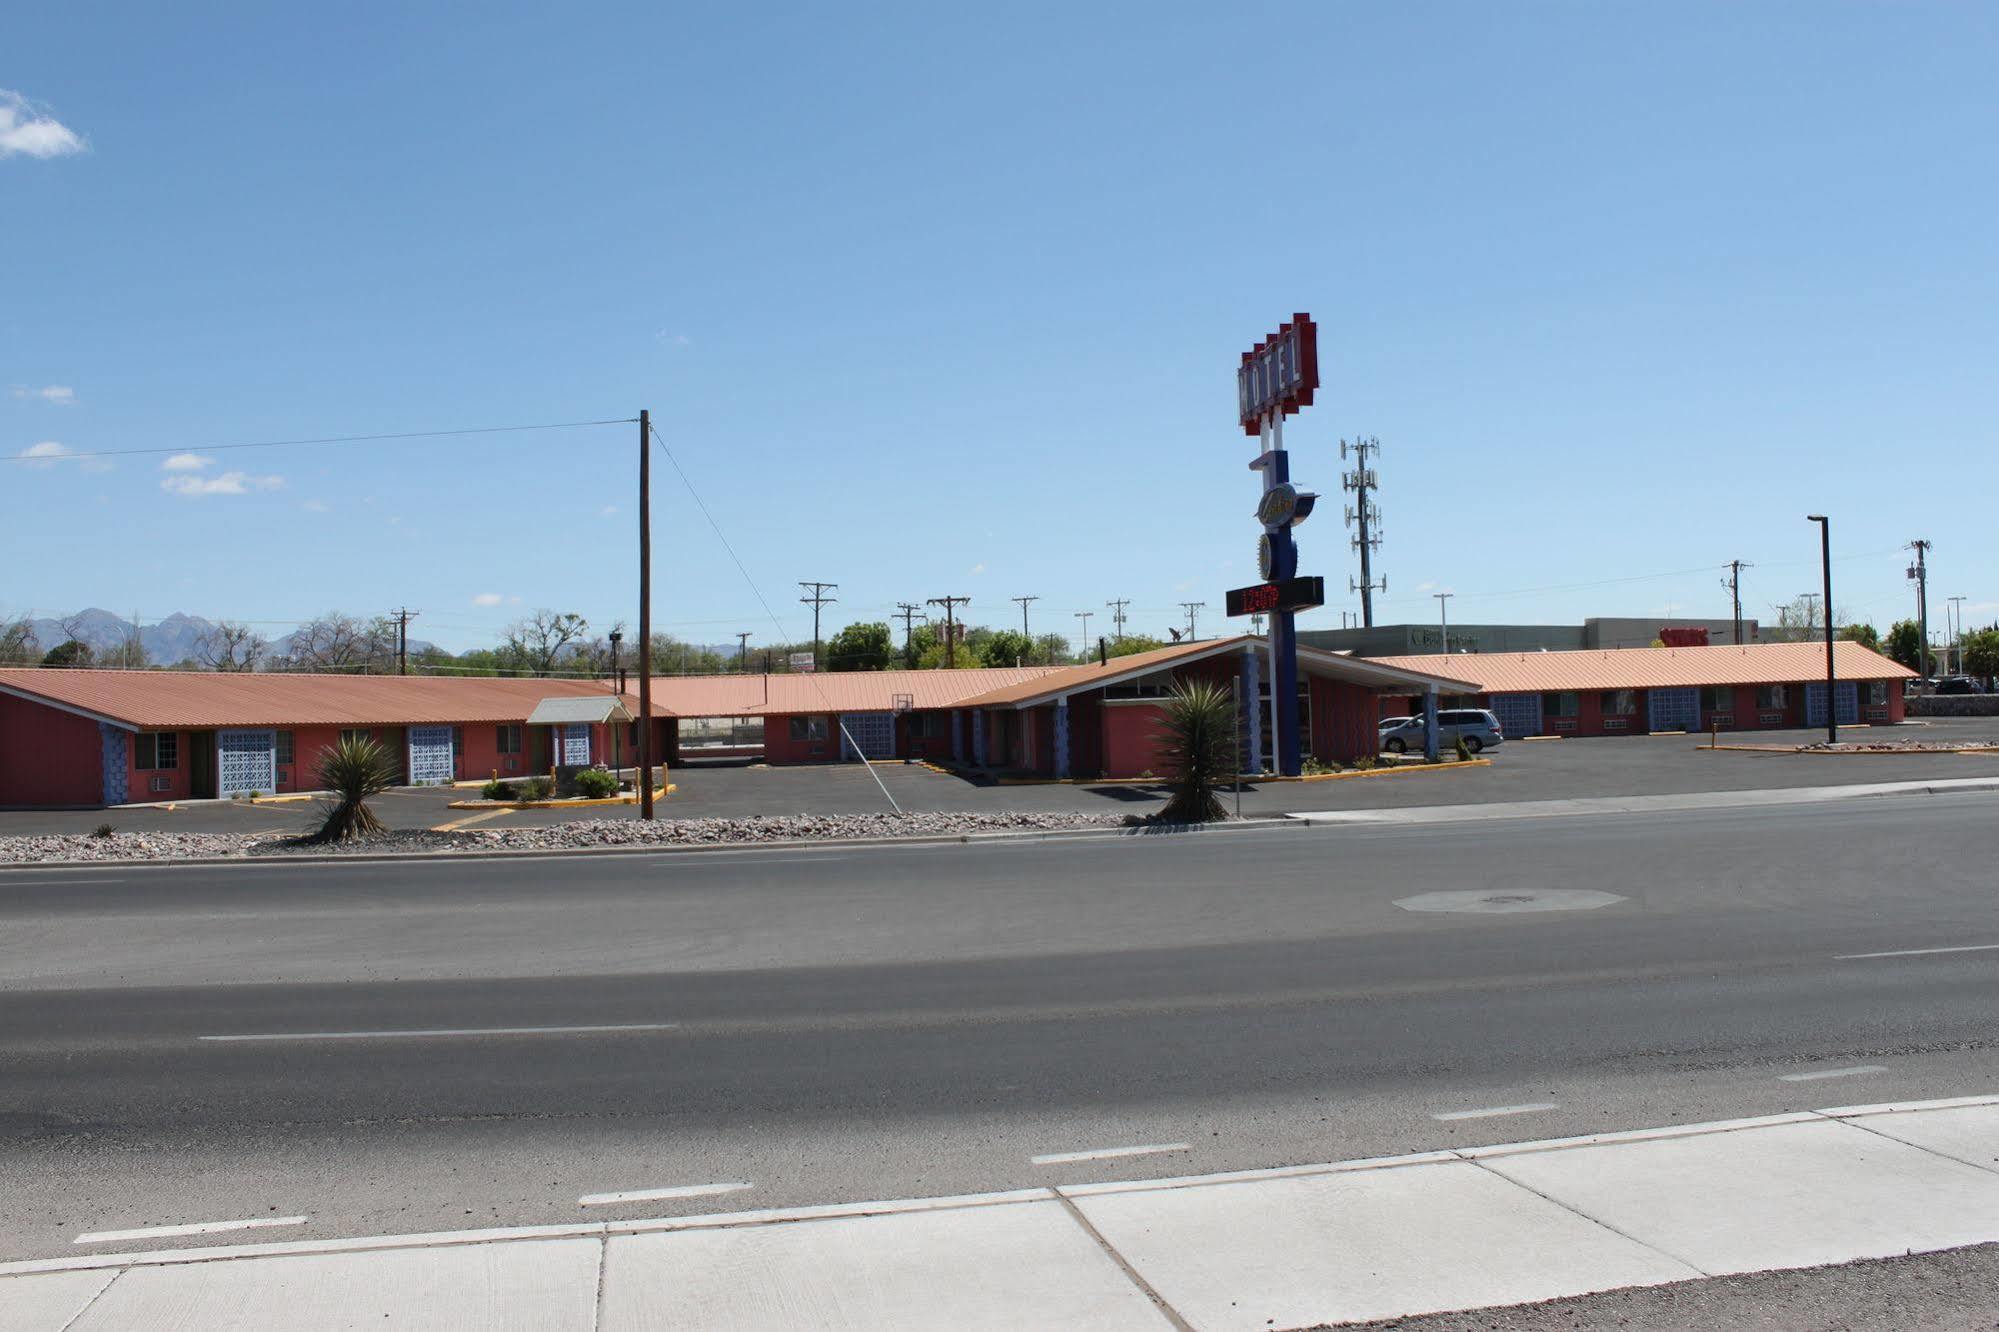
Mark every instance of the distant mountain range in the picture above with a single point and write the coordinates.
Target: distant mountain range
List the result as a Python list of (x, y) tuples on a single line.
[(175, 639)]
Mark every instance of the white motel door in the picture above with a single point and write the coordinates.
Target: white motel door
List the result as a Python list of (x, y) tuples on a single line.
[(431, 757), (575, 745), (246, 761)]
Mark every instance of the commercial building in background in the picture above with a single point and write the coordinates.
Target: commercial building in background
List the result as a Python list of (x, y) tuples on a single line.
[(1391, 640), (1636, 691)]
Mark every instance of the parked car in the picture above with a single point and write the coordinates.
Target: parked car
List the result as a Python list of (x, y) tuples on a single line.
[(1959, 684), (1478, 728)]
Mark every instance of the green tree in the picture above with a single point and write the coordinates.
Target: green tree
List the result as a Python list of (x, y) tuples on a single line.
[(922, 639), (1132, 643), (1863, 634), (70, 652), (1198, 748), (1006, 647), (1981, 653), (1905, 644), (1051, 650), (17, 640), (536, 644), (860, 647)]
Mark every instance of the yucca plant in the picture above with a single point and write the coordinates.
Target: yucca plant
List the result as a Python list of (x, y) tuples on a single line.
[(353, 770), (1199, 746)]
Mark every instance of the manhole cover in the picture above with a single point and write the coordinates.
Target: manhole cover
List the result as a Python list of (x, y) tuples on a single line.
[(1480, 901)]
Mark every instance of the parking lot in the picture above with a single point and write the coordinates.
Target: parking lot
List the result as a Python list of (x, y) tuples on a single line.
[(1520, 770)]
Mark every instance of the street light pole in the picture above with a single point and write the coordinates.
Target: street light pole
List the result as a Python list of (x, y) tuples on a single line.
[(1444, 618), (1831, 681)]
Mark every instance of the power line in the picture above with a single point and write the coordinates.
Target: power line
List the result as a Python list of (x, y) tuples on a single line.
[(330, 439), (1117, 606), (1024, 631), (816, 600), (910, 613), (950, 605)]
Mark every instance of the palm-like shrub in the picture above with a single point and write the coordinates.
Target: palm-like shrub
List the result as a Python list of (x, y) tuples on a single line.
[(353, 770), (1199, 746)]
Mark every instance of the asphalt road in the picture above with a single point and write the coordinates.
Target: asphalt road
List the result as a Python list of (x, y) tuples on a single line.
[(857, 1023), (1521, 770)]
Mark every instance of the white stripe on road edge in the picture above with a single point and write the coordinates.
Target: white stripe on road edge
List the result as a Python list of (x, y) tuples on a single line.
[(440, 1031), (1853, 1072), (1105, 1153), (1497, 1110), (197, 1228), (1919, 952), (653, 1195)]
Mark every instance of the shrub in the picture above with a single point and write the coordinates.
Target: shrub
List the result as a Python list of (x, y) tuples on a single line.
[(595, 784), (536, 788), (102, 830), (353, 770), (1199, 743), (1314, 768), (497, 790), (1464, 751)]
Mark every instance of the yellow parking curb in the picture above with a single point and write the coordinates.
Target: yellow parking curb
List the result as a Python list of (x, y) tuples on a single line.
[(1251, 778), (633, 799)]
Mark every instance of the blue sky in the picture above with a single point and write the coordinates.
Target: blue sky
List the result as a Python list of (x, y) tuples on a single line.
[(939, 299)]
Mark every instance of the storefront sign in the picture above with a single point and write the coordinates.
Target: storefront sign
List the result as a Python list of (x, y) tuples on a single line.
[(1279, 374)]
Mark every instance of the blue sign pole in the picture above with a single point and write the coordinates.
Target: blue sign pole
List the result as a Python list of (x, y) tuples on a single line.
[(1283, 623)]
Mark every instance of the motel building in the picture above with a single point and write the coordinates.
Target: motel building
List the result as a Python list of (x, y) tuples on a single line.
[(88, 738), (1638, 691)]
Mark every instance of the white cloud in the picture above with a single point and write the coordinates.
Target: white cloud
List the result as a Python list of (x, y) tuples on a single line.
[(45, 454), (26, 128), (186, 462), (315, 506), (607, 510), (60, 394), (488, 599), (978, 568), (228, 483)]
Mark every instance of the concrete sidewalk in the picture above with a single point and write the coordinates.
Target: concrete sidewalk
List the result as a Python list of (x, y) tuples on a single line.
[(1252, 1250), (1639, 804)]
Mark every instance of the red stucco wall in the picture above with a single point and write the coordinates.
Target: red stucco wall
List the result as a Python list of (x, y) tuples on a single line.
[(1130, 738), (48, 756)]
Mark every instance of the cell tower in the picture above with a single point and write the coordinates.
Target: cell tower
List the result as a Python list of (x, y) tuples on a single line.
[(1364, 515)]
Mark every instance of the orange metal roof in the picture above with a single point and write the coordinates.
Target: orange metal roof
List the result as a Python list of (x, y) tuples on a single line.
[(166, 700), (162, 700), (1654, 668), (1370, 671), (829, 691)]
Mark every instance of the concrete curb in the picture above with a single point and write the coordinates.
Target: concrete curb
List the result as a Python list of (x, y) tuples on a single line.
[(793, 1215), (1849, 753), (1245, 824)]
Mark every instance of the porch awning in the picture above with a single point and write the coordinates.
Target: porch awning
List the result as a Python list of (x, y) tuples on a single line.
[(592, 708)]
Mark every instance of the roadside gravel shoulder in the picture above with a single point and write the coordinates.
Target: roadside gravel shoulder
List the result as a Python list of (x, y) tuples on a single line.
[(581, 835)]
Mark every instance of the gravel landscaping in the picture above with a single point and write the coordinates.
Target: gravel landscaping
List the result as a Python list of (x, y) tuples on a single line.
[(1894, 747), (582, 835)]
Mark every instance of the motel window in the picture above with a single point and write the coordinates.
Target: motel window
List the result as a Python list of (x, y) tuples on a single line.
[(1718, 698), (926, 725), (284, 746), (156, 750), (357, 736), (457, 744), (1773, 696), (1558, 705), (509, 741), (808, 728), (1877, 694), (1620, 702)]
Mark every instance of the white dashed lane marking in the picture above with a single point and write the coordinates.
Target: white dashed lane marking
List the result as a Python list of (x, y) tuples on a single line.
[(1819, 1074), (654, 1195), (1107, 1153), (442, 1031), (195, 1228), (1918, 952), (1493, 1112)]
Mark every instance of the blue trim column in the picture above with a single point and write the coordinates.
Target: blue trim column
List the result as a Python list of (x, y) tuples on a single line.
[(111, 745), (1283, 627), (1252, 706), (1062, 737), (979, 737), (957, 735), (1430, 723)]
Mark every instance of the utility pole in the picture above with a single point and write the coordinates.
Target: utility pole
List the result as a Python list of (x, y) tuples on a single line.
[(950, 605), (1444, 617), (743, 651), (909, 611), (1734, 585), (1921, 573), (1831, 682), (1811, 600), (1364, 515), (1193, 609), (1084, 616), (1023, 621), (645, 615), (1117, 616), (1954, 618), (403, 617), (815, 601)]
